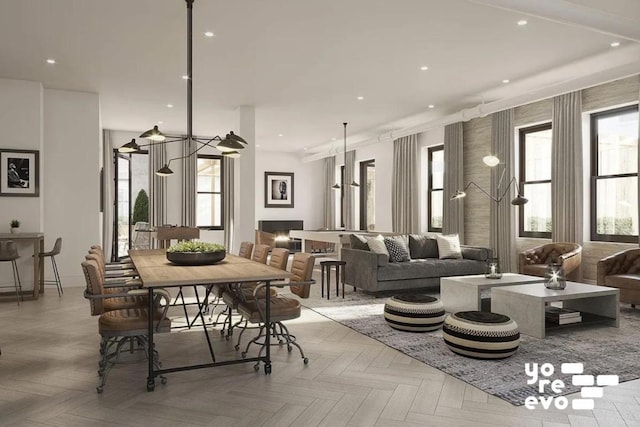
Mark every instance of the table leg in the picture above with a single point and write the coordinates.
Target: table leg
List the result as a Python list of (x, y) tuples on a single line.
[(322, 280), (337, 280), (151, 382), (267, 338)]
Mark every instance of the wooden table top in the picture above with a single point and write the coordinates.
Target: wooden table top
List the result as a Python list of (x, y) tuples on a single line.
[(21, 236), (156, 271)]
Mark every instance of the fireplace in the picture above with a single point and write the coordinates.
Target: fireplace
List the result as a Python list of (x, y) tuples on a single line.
[(277, 231)]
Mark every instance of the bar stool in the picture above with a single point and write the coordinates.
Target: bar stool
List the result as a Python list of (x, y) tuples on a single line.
[(56, 251), (9, 252), (326, 266)]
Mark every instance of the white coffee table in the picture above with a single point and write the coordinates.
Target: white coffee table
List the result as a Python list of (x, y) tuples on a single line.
[(526, 304), (463, 293)]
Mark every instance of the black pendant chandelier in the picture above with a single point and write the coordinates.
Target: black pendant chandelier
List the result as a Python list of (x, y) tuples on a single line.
[(337, 185)]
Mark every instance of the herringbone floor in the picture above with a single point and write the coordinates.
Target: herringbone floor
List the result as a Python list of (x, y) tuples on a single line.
[(48, 378)]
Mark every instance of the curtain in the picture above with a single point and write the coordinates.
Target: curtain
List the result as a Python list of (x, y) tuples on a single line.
[(503, 238), (566, 169), (404, 185), (329, 194), (228, 185), (349, 191), (189, 173), (157, 185), (453, 210), (108, 191)]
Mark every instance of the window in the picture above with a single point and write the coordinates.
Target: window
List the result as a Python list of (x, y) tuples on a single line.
[(435, 187), (535, 181), (209, 192), (368, 195), (614, 175)]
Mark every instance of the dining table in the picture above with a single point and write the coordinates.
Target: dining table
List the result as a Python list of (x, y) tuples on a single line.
[(156, 271)]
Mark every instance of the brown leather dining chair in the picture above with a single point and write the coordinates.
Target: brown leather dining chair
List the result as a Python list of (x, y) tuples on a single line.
[(246, 248), (282, 307)]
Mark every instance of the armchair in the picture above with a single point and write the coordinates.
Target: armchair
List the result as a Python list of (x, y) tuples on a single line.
[(622, 270), (534, 261)]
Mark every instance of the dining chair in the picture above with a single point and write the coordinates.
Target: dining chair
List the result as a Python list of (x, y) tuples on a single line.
[(165, 235), (246, 248), (9, 253), (282, 307), (119, 277), (103, 299), (57, 247), (126, 327), (124, 264)]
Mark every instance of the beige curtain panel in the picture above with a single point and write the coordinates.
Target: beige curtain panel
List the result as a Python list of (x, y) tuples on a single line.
[(453, 210), (349, 191), (189, 173), (228, 165), (329, 194), (404, 186), (157, 185)]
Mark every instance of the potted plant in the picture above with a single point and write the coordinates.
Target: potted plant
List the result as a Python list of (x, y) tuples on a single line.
[(15, 226), (196, 253)]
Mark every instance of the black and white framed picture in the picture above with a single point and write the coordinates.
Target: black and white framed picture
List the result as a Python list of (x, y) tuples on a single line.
[(19, 173), (278, 189)]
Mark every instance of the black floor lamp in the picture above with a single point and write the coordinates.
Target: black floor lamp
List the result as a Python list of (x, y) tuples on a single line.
[(493, 268)]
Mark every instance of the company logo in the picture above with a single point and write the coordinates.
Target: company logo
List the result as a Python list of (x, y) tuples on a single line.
[(591, 387)]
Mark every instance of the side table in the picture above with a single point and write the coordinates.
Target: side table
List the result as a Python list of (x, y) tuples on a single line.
[(326, 268)]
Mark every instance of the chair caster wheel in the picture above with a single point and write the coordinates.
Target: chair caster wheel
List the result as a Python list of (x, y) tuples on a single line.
[(100, 389), (243, 354), (267, 369), (289, 348), (237, 347), (163, 380), (305, 360), (222, 332), (256, 367)]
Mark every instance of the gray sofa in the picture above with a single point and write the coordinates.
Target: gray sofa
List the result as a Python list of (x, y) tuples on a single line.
[(374, 273)]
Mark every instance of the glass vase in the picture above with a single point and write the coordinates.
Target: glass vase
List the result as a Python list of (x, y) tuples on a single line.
[(493, 269), (554, 277)]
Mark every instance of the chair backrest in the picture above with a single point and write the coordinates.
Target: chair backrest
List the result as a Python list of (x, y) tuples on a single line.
[(245, 250), (140, 236), (95, 286), (166, 234), (260, 253), (301, 270), (279, 258), (57, 246), (8, 251)]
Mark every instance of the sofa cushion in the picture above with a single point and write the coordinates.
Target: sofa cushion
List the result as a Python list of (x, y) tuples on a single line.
[(376, 244), (359, 242), (449, 246), (428, 268), (422, 246), (397, 248), (476, 253)]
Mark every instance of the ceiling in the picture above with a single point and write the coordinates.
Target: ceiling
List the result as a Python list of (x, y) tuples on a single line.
[(303, 64)]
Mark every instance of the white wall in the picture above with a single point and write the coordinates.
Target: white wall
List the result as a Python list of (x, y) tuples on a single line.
[(308, 181), (72, 174), (22, 129)]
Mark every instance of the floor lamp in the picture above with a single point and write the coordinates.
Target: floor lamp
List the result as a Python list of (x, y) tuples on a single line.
[(493, 270)]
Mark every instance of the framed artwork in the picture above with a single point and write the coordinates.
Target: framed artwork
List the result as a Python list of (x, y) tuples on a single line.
[(278, 189), (19, 173)]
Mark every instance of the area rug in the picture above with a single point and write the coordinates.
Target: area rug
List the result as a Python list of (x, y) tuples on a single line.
[(603, 350)]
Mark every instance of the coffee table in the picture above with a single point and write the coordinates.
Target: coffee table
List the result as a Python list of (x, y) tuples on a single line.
[(526, 304), (463, 293)]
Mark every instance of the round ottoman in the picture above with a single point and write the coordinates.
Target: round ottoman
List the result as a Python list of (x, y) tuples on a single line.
[(481, 335), (414, 313)]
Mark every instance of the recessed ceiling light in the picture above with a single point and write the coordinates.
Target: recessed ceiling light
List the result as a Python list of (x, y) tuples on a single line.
[(209, 33), (360, 98), (424, 68), (185, 77), (304, 148), (333, 139), (257, 145), (522, 22), (51, 61), (615, 44), (431, 106), (280, 134), (505, 81), (169, 105), (160, 122)]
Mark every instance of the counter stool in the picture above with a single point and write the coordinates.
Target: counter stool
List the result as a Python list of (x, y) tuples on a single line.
[(481, 334), (326, 266), (9, 253), (57, 247)]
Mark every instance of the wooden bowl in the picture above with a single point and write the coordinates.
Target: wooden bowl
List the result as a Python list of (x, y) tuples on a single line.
[(196, 258)]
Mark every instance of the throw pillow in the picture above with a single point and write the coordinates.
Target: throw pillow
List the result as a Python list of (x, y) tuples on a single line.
[(423, 246), (398, 250), (376, 244), (449, 246), (358, 242)]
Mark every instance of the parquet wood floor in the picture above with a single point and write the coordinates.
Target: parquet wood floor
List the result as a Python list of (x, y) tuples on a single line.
[(50, 354)]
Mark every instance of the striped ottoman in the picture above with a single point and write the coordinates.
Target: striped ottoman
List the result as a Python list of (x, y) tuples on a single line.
[(414, 313), (481, 334)]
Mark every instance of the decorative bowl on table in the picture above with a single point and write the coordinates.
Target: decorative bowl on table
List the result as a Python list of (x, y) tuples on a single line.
[(196, 253)]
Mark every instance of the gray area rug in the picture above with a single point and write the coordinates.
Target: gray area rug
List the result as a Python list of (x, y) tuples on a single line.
[(603, 350)]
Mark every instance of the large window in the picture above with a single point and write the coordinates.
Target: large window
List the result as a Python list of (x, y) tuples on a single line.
[(614, 175), (209, 189), (535, 181), (368, 195), (435, 187)]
